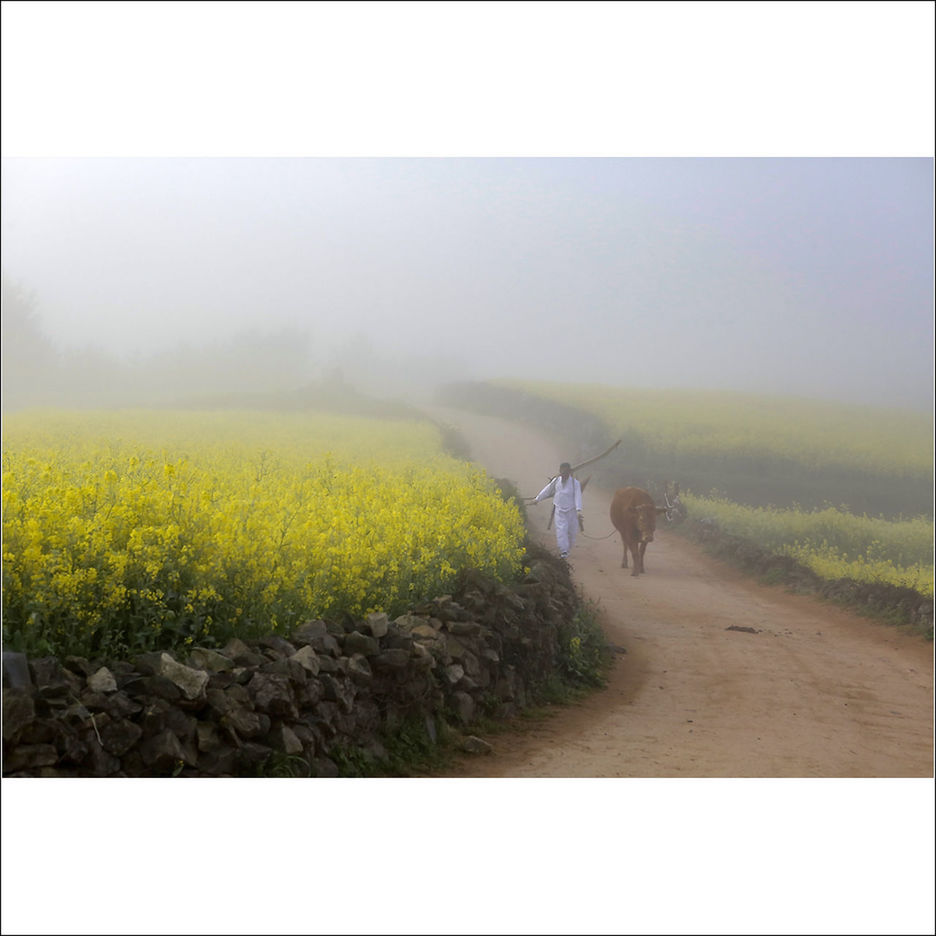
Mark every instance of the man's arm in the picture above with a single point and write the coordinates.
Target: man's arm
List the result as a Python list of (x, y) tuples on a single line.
[(547, 491)]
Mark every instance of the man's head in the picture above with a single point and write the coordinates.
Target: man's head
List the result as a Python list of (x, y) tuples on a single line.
[(565, 469)]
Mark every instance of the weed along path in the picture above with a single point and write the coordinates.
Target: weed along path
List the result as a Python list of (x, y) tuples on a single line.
[(715, 674)]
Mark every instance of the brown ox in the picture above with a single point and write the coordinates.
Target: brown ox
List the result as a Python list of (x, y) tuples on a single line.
[(634, 514)]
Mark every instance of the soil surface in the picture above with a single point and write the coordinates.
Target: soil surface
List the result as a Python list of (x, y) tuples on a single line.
[(715, 675)]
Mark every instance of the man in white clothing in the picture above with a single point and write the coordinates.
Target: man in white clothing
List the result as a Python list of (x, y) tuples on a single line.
[(566, 493)]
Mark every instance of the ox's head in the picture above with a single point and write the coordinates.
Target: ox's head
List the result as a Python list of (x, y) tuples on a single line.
[(645, 516)]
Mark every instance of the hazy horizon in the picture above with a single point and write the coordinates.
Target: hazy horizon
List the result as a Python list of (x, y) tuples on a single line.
[(810, 277)]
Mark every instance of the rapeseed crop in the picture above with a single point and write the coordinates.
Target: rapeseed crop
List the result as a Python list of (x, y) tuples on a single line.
[(729, 425), (831, 542), (127, 531)]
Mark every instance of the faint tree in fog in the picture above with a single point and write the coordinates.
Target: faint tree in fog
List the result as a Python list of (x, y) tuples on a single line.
[(30, 360)]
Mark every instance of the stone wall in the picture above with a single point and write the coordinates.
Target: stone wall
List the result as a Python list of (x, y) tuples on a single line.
[(329, 688), (900, 605)]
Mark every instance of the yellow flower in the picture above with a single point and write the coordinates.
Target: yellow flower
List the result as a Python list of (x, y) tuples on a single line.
[(229, 518)]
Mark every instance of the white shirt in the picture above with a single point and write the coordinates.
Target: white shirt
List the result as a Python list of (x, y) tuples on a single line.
[(567, 495)]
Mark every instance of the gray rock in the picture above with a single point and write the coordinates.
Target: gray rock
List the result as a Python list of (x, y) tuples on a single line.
[(79, 665), (241, 654), (98, 762), (218, 763), (46, 671), (76, 714), (391, 659), (456, 649), (464, 707), (309, 694), (157, 686), (482, 679), (505, 687), (210, 660), (42, 731), (328, 664), (306, 736), (52, 680), (284, 739), (326, 645), (308, 631), (338, 689), (359, 669), (513, 599), (16, 671), (424, 631), (252, 755), (239, 693), (356, 642), (244, 722), (272, 693), (308, 659), (102, 681), (378, 624), (71, 748), (208, 739), (326, 713), (287, 667), (219, 700), (161, 715), (97, 701), (162, 752), (471, 663), (274, 642), (454, 673), (464, 628), (421, 657), (18, 711), (406, 622), (191, 682), (221, 680), (119, 736), (30, 757), (395, 640), (148, 663)]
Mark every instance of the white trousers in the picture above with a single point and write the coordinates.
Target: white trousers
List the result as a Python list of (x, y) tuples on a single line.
[(566, 522)]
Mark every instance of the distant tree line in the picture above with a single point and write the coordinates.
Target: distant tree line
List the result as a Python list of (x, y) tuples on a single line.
[(36, 372)]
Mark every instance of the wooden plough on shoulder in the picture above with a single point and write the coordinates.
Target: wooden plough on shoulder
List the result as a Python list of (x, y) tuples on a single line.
[(575, 468)]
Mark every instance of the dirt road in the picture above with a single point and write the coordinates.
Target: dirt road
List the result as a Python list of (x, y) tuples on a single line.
[(815, 691)]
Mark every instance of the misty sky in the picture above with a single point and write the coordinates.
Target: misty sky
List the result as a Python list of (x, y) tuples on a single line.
[(809, 276)]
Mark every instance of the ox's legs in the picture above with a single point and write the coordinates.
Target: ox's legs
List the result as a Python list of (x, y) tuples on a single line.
[(640, 561), (624, 562), (635, 555)]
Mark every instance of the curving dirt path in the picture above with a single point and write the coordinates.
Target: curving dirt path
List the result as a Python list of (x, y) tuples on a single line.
[(815, 691)]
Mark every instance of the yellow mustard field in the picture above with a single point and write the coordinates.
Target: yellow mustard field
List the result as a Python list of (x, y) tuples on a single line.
[(727, 424), (130, 530), (832, 543)]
